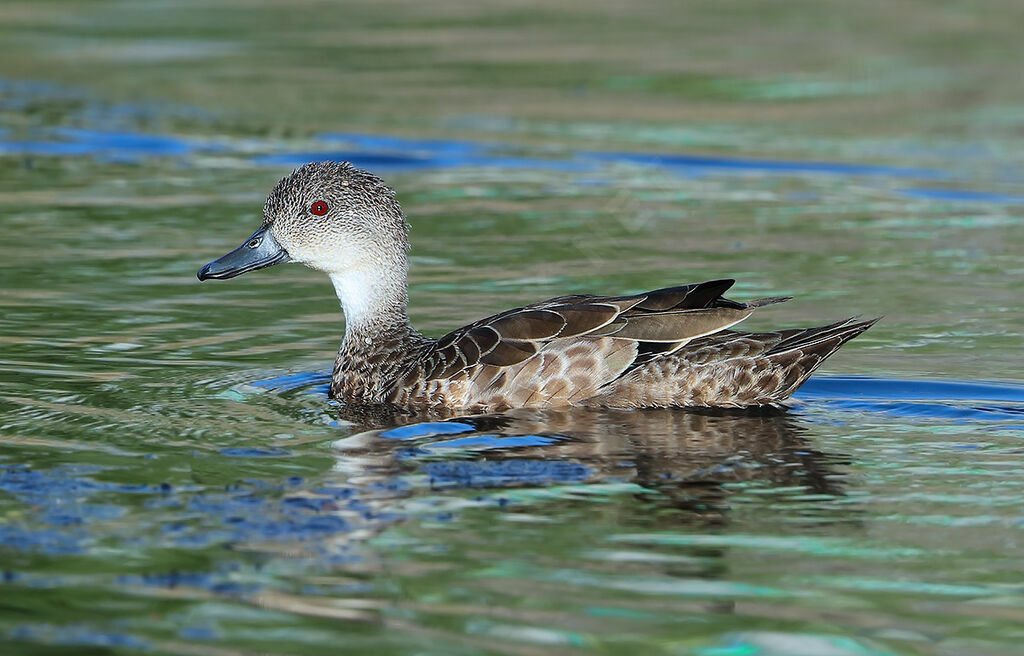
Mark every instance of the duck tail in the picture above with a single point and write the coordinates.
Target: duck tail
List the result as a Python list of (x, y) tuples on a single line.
[(803, 351), (771, 300)]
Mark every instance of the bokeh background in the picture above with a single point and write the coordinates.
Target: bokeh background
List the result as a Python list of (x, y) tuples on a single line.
[(167, 476)]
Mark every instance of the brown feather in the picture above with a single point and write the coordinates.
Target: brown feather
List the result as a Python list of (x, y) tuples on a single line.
[(486, 338), (771, 300), (623, 303), (686, 296), (468, 349), (678, 326), (616, 355), (529, 325), (521, 385), (581, 319), (509, 352), (482, 378), (457, 364)]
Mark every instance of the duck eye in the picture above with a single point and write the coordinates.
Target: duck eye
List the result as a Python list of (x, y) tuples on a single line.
[(319, 208)]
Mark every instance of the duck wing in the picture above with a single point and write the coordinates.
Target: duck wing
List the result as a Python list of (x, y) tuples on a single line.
[(585, 341)]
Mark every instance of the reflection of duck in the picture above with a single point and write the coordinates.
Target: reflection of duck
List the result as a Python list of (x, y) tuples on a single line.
[(687, 458), (668, 347)]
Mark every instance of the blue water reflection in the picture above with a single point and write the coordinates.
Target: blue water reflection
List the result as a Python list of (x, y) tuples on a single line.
[(391, 153)]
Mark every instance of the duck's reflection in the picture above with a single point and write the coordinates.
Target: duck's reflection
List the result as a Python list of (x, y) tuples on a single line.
[(687, 460), (681, 466)]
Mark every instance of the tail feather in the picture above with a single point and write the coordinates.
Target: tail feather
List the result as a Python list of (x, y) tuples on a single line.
[(730, 368), (771, 300), (800, 354), (844, 330)]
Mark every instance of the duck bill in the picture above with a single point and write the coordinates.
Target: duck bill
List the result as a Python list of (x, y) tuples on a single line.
[(258, 252)]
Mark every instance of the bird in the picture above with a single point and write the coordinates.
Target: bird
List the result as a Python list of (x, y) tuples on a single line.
[(669, 347)]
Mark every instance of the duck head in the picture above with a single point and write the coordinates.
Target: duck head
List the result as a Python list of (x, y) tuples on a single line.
[(334, 218)]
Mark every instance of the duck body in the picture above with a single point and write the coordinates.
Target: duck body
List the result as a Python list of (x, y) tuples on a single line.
[(671, 347)]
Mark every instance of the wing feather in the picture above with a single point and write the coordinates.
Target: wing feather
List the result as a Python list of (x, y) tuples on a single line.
[(567, 347), (529, 325), (508, 352), (677, 326)]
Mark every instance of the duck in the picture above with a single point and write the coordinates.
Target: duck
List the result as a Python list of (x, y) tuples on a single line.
[(669, 347)]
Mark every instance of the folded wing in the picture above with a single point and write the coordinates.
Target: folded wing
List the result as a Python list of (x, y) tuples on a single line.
[(566, 348)]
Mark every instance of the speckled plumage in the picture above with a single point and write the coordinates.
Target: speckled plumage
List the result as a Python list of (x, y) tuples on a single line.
[(610, 360), (668, 347)]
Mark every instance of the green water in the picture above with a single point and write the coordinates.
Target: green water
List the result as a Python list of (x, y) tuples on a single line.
[(173, 479)]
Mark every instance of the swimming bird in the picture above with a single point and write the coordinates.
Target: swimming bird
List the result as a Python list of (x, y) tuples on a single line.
[(663, 348)]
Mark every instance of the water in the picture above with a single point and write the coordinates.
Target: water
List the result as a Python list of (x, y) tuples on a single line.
[(173, 479)]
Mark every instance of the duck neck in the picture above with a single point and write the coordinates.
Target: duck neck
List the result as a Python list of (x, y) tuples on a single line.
[(378, 337), (375, 304)]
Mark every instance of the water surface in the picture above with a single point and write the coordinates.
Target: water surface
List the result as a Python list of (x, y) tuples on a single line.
[(174, 480)]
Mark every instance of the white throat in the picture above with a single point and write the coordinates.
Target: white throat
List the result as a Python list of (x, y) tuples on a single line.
[(371, 302)]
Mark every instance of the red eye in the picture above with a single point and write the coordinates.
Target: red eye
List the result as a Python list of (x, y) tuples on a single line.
[(319, 208)]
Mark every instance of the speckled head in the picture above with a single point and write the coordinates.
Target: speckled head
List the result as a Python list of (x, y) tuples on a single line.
[(337, 219), (329, 216), (334, 217)]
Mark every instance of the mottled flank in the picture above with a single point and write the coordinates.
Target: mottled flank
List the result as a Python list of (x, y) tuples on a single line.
[(731, 369), (596, 351), (663, 348)]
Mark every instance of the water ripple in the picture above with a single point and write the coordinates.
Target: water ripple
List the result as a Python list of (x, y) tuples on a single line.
[(387, 153)]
